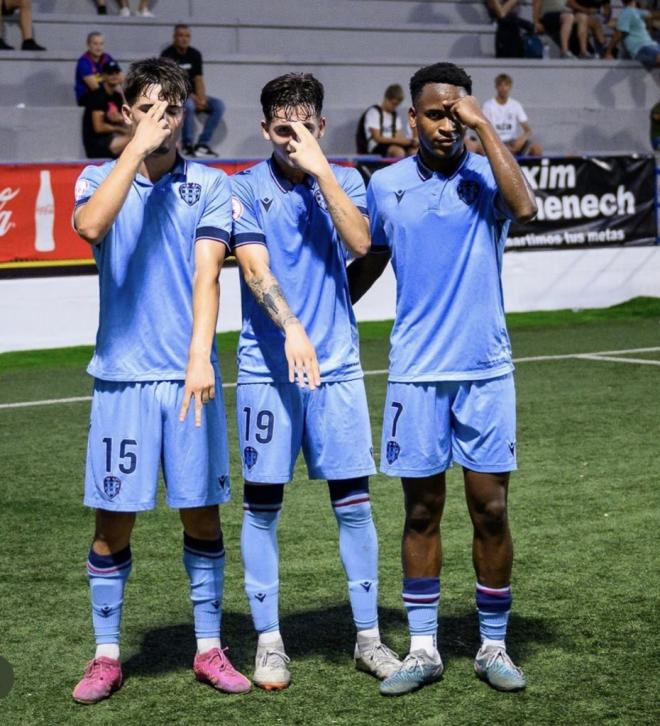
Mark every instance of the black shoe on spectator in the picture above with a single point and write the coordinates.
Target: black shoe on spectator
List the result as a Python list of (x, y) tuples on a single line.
[(101, 10), (204, 151), (188, 150), (30, 44), (5, 46)]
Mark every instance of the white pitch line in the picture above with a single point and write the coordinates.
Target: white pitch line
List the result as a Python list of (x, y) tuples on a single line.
[(568, 356), (642, 361), (601, 355), (25, 404)]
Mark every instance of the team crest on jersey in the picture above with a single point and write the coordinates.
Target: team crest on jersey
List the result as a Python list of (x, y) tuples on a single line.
[(237, 209), (320, 199), (392, 451), (266, 202), (111, 486), (190, 192), (399, 195), (250, 456), (468, 191)]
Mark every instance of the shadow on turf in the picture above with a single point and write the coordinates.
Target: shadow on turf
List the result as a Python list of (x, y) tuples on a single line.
[(327, 632)]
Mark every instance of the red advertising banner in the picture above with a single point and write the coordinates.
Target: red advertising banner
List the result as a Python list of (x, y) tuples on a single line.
[(36, 204)]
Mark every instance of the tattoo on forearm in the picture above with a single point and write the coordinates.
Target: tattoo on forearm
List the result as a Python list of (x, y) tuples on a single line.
[(271, 298)]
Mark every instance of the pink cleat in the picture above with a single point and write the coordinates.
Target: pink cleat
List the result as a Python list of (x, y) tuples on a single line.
[(102, 677), (214, 668)]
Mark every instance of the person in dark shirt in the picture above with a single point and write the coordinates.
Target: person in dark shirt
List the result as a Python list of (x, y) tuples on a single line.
[(90, 63), (190, 60), (104, 132)]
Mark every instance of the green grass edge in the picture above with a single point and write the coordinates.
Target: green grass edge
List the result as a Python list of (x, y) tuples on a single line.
[(639, 307)]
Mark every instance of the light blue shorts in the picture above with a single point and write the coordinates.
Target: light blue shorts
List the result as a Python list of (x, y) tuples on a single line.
[(429, 426), (331, 424), (135, 428)]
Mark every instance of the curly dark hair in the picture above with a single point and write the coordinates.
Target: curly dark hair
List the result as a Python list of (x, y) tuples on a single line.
[(291, 91), (156, 71), (439, 73)]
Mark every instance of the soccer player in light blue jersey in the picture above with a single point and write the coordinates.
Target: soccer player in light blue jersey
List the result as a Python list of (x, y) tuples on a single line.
[(442, 218), (160, 227), (297, 222)]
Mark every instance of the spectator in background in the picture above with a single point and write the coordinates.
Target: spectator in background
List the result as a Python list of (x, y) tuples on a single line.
[(124, 9), (510, 27), (509, 119), (190, 60), (555, 18), (90, 63), (104, 132), (655, 127), (587, 21), (24, 8), (380, 130), (631, 27)]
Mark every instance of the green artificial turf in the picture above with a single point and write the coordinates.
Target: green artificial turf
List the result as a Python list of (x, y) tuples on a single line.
[(583, 510)]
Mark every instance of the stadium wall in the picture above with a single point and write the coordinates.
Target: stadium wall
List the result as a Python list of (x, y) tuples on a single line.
[(63, 311)]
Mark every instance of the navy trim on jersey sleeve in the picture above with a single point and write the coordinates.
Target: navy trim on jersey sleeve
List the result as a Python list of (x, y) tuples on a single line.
[(363, 210), (247, 238), (379, 250), (80, 202), (214, 233)]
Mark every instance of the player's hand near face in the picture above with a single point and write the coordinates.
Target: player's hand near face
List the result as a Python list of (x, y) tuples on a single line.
[(300, 356), (305, 152), (152, 130), (466, 110), (200, 387)]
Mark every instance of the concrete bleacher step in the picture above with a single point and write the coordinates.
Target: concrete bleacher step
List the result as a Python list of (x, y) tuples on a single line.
[(373, 39), (387, 11), (53, 133), (46, 79)]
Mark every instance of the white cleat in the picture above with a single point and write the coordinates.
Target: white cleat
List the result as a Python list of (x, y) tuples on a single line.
[(270, 667), (376, 658)]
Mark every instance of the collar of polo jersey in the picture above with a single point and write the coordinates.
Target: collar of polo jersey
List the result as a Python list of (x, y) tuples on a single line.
[(282, 181), (425, 173), (178, 171)]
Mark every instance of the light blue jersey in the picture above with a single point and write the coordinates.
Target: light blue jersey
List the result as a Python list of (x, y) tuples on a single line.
[(446, 236), (146, 266), (309, 261)]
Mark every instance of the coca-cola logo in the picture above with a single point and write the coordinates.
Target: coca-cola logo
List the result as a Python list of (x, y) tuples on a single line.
[(6, 195)]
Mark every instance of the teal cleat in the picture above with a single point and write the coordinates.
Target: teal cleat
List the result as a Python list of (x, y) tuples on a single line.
[(417, 669), (494, 666)]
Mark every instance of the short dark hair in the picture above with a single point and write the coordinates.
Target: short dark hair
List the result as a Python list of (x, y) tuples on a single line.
[(291, 91), (181, 26), (156, 71), (439, 73), (94, 34), (394, 92), (504, 78)]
